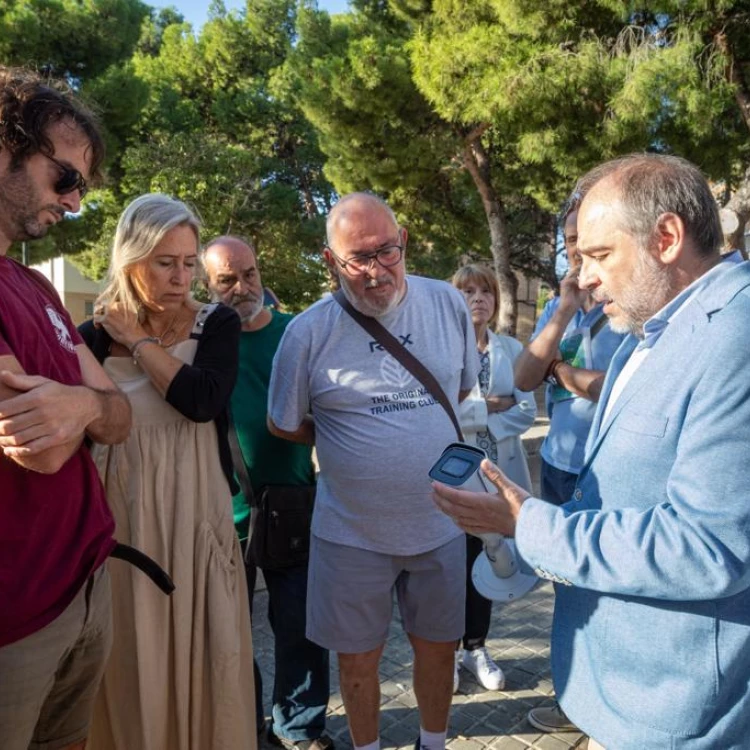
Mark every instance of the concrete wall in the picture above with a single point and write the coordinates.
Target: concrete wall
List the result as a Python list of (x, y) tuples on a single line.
[(75, 304), (74, 288)]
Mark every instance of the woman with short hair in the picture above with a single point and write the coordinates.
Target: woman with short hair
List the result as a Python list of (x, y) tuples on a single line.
[(493, 417)]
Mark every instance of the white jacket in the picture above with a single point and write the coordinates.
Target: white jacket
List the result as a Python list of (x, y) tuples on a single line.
[(506, 427)]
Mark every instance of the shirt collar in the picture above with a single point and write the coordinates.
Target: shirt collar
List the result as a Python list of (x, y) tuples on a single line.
[(655, 326)]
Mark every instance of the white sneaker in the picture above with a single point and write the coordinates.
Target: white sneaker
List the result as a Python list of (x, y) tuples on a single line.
[(481, 665), (456, 661)]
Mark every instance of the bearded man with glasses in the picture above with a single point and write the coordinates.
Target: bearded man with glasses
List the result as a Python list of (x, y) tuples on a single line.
[(378, 431), (55, 526)]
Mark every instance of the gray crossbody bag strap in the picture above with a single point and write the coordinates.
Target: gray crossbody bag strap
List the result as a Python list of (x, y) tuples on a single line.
[(238, 461), (403, 355), (243, 477)]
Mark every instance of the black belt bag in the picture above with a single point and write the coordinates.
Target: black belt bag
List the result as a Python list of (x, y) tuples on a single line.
[(280, 526)]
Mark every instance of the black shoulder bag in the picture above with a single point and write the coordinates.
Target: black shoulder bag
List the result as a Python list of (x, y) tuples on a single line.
[(280, 516)]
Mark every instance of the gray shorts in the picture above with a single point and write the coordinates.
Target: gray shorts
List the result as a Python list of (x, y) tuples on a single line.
[(49, 680), (350, 594)]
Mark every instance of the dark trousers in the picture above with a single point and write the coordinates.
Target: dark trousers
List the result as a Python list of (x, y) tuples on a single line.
[(478, 609), (301, 673), (557, 485)]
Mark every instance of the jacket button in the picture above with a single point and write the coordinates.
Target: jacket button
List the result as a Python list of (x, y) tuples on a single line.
[(578, 494)]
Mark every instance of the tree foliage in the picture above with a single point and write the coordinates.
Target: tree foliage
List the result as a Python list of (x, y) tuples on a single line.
[(219, 130), (70, 38)]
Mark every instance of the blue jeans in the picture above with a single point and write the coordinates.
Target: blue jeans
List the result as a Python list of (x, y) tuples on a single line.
[(557, 485), (301, 681)]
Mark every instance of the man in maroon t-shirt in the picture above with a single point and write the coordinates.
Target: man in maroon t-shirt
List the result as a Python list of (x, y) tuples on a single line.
[(55, 527)]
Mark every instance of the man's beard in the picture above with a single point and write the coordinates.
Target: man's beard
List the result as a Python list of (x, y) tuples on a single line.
[(19, 204), (650, 289), (375, 308), (247, 313)]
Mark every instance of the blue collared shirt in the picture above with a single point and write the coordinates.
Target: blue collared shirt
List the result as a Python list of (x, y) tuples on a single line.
[(655, 326)]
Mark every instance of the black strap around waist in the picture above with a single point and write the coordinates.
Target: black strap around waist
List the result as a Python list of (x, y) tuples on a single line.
[(145, 564)]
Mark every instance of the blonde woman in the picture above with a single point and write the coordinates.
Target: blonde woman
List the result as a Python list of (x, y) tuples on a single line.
[(493, 417), (180, 674)]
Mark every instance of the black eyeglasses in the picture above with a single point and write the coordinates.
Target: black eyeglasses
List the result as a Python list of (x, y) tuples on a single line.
[(386, 256), (70, 179)]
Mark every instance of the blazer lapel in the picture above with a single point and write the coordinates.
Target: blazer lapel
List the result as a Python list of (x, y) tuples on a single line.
[(674, 348)]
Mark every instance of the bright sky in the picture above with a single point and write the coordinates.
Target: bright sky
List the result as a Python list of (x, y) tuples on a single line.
[(195, 11)]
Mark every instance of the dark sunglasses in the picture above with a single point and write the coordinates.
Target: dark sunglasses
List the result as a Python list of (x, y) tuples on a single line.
[(70, 179)]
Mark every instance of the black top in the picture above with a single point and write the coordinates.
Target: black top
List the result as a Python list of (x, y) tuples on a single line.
[(200, 391)]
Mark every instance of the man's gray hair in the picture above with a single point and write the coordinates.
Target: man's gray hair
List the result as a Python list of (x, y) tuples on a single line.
[(228, 238), (650, 185), (344, 206)]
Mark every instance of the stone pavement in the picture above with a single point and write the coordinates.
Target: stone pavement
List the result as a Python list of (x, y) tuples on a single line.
[(518, 641)]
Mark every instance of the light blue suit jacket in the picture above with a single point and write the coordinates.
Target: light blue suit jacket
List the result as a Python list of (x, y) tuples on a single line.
[(651, 634)]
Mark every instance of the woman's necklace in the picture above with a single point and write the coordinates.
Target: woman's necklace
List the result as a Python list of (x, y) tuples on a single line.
[(169, 335)]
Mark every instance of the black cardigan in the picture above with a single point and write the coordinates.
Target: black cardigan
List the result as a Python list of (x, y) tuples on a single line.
[(200, 391)]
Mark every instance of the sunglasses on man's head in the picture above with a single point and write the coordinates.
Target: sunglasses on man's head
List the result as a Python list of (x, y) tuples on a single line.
[(70, 179)]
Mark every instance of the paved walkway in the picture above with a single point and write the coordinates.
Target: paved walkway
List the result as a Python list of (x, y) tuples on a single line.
[(518, 641)]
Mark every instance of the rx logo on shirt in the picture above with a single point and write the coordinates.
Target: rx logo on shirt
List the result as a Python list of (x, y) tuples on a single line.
[(403, 340)]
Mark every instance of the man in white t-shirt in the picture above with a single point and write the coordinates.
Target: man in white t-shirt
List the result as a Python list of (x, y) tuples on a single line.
[(377, 431)]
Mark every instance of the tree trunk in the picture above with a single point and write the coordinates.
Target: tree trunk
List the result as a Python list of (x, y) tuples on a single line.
[(740, 200), (740, 204), (734, 75), (311, 209), (477, 164)]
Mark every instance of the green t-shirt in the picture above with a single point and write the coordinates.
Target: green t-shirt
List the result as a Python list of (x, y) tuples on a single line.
[(269, 459)]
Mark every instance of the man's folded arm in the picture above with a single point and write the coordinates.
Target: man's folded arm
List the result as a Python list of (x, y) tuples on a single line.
[(113, 420), (42, 422)]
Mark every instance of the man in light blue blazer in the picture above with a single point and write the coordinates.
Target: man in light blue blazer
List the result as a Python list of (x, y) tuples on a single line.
[(651, 557)]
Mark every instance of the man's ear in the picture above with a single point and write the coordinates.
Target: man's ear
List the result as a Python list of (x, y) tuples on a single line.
[(330, 261), (404, 235), (669, 238)]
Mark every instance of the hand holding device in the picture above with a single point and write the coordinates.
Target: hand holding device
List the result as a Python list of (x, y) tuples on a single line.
[(495, 573)]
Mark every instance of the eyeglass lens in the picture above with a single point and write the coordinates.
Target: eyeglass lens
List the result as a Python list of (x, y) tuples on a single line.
[(70, 179), (386, 256)]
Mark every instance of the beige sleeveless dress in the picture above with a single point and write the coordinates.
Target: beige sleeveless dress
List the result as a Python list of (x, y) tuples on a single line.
[(180, 676)]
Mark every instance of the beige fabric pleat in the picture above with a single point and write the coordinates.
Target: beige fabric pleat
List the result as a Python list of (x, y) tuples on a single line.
[(181, 675)]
